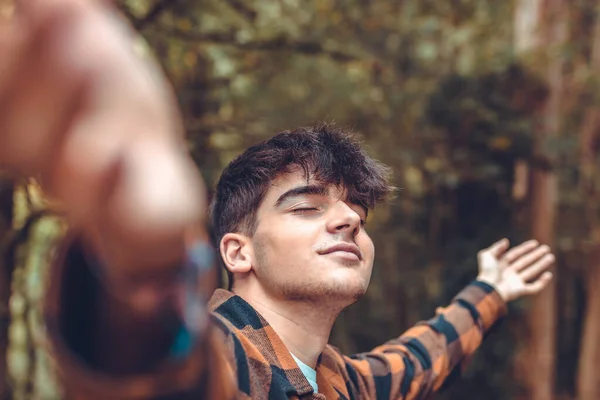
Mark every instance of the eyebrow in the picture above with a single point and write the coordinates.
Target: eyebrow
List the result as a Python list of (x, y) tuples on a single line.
[(318, 190)]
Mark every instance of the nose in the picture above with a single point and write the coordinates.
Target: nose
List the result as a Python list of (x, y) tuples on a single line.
[(343, 219)]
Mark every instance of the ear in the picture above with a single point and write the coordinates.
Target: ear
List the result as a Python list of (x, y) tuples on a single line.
[(236, 252)]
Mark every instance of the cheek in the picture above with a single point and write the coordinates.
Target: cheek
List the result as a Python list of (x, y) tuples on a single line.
[(366, 246), (285, 240), (293, 231)]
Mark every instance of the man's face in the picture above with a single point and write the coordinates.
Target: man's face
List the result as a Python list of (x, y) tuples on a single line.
[(310, 243)]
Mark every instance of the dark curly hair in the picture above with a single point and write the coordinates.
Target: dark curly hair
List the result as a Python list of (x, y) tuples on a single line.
[(325, 153)]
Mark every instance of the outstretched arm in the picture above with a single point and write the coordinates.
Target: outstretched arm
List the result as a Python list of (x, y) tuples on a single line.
[(99, 126), (419, 362)]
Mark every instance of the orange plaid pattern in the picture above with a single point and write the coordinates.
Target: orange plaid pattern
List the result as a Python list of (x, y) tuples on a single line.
[(244, 358)]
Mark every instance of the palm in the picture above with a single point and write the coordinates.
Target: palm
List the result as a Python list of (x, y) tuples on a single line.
[(519, 271)]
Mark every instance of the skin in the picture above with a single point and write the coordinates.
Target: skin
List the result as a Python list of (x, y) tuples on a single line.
[(105, 136), (284, 271), (308, 226)]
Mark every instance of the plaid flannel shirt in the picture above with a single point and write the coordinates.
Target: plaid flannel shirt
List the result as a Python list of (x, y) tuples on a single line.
[(244, 358)]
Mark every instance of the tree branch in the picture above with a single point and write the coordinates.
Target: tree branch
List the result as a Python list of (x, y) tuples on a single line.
[(152, 15), (276, 44), (242, 9), (122, 7), (159, 7)]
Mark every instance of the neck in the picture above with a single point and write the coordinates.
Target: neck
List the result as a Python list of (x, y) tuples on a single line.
[(304, 327)]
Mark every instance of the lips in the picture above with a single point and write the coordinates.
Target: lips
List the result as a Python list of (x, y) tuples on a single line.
[(344, 247)]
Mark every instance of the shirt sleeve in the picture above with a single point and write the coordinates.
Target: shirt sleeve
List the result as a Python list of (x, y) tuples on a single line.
[(421, 360), (195, 368)]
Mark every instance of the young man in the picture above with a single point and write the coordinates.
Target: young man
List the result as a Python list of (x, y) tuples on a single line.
[(126, 311), (289, 217)]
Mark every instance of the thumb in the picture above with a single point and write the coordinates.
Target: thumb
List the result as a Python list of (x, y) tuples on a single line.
[(160, 188), (498, 248), (157, 199)]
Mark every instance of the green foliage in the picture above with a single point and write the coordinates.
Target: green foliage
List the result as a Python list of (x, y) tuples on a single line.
[(490, 113), (30, 370)]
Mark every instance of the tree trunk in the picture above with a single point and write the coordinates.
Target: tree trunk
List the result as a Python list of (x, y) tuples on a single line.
[(6, 201), (591, 119), (6, 207), (588, 386), (540, 32), (540, 344)]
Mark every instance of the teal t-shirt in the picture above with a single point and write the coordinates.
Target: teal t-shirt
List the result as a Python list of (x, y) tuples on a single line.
[(309, 373)]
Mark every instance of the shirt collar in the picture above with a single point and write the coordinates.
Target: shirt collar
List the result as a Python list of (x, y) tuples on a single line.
[(248, 322)]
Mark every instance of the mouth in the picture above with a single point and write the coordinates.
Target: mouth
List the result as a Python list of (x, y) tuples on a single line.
[(347, 250)]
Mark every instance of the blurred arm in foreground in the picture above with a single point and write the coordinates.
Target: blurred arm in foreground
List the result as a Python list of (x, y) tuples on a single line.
[(99, 127)]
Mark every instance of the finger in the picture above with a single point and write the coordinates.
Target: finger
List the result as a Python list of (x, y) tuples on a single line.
[(123, 104), (537, 268), (157, 196), (87, 164), (14, 43), (37, 87), (498, 248), (37, 109), (529, 258), (539, 285), (159, 189), (37, 11), (519, 250)]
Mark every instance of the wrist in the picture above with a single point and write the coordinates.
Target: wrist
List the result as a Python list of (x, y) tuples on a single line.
[(494, 284), (484, 301), (145, 286)]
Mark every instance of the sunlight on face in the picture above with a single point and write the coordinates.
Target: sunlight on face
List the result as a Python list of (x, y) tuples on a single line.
[(310, 243)]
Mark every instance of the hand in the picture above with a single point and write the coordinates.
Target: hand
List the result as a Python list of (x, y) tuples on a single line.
[(99, 126), (520, 271)]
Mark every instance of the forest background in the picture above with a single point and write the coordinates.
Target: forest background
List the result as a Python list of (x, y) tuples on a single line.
[(488, 111)]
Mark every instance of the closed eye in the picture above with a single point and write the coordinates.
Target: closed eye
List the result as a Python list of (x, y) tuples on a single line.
[(304, 209)]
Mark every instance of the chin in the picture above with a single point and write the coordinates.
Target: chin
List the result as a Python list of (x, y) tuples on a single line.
[(349, 289), (352, 296), (341, 292)]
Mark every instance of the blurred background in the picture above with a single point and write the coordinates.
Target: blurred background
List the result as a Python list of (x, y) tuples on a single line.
[(488, 111)]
